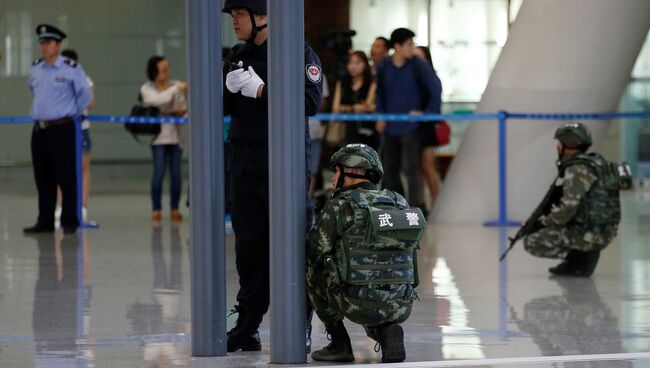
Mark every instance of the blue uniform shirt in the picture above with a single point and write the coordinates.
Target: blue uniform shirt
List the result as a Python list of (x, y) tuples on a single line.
[(59, 90)]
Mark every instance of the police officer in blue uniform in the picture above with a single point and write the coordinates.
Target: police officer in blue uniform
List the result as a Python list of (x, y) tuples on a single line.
[(61, 92), (246, 100)]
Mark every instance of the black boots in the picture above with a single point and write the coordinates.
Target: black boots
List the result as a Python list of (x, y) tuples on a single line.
[(339, 349), (245, 336), (390, 338), (577, 263)]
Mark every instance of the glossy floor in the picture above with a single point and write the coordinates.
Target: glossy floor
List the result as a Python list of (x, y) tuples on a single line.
[(118, 296)]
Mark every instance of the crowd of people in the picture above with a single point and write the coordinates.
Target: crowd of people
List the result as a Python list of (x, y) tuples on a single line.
[(404, 82)]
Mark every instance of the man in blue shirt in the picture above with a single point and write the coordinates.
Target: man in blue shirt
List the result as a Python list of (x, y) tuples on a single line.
[(405, 85), (61, 92)]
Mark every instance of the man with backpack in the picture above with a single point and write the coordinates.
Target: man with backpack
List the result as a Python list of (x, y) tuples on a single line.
[(361, 257), (584, 205), (405, 85)]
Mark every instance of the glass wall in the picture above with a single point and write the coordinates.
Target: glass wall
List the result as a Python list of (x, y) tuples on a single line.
[(465, 36), (114, 39)]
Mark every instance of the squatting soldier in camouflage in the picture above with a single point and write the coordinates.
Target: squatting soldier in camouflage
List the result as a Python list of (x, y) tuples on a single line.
[(584, 219), (361, 257)]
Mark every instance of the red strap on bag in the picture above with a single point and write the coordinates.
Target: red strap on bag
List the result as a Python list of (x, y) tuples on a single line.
[(443, 133)]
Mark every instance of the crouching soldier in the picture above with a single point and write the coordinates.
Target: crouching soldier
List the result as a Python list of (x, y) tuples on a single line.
[(361, 258), (583, 206)]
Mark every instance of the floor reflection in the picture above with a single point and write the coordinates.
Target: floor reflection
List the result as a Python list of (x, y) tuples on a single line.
[(62, 298), (574, 323), (161, 313)]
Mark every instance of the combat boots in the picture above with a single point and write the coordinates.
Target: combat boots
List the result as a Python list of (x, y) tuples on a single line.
[(339, 348), (587, 264), (245, 336), (390, 339), (566, 267), (577, 263)]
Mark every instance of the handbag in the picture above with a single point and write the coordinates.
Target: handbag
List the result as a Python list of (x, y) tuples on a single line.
[(139, 110), (443, 133), (334, 133)]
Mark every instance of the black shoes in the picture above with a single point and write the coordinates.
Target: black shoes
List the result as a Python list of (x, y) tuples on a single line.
[(38, 229), (391, 341), (245, 335), (238, 340), (339, 348), (577, 264), (70, 230)]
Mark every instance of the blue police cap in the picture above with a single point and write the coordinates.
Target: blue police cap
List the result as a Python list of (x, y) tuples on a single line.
[(48, 32)]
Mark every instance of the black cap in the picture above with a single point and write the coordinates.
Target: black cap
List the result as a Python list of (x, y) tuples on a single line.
[(255, 6), (48, 32)]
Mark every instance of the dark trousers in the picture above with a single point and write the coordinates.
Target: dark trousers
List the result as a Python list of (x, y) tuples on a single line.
[(54, 161), (249, 194), (166, 155), (402, 154)]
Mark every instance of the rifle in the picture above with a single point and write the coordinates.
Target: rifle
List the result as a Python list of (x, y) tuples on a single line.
[(533, 223)]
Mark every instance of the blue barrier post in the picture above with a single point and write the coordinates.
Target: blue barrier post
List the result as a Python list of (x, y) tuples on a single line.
[(503, 180)]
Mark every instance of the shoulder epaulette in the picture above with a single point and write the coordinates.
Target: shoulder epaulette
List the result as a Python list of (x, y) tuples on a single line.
[(70, 62), (37, 61)]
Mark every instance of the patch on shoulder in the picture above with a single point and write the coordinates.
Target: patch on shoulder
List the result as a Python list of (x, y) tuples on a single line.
[(70, 62), (314, 73), (37, 61)]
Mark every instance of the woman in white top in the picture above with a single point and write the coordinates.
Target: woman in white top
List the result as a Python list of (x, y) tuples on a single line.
[(170, 97)]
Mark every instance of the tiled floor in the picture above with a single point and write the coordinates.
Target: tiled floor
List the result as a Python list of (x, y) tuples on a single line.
[(118, 296)]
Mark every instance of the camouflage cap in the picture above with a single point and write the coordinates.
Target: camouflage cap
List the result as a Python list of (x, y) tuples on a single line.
[(358, 156), (574, 135)]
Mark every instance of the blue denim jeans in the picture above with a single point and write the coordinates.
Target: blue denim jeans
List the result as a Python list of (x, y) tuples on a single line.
[(163, 155)]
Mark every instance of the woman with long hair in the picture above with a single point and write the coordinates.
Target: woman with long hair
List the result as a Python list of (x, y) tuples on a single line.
[(428, 170), (355, 93)]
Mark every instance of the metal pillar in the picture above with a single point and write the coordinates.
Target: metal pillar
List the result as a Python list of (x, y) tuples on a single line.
[(208, 262), (287, 184)]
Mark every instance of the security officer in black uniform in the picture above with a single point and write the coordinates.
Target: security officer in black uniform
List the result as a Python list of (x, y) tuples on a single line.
[(61, 92), (246, 100)]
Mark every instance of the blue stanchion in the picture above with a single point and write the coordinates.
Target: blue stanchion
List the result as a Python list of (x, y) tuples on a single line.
[(503, 220)]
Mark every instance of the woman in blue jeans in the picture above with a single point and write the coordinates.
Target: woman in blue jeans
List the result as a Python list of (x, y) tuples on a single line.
[(170, 97)]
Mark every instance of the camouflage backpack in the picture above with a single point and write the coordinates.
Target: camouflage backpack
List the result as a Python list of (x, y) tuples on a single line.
[(602, 205), (379, 249)]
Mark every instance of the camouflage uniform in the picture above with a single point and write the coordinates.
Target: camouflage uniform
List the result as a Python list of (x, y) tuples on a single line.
[(585, 219), (333, 300)]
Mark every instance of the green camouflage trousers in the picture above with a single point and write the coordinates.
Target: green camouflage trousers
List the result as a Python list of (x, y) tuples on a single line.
[(556, 242), (332, 304)]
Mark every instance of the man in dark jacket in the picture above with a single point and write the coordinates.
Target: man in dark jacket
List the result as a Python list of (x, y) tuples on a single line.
[(405, 85), (246, 100)]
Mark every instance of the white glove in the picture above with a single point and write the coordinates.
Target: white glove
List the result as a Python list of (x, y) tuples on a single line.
[(251, 85), (236, 79)]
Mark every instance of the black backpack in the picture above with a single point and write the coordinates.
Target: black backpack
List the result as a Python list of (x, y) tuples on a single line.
[(139, 110)]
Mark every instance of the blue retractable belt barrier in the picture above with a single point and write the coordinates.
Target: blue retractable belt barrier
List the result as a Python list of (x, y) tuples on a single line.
[(502, 117)]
